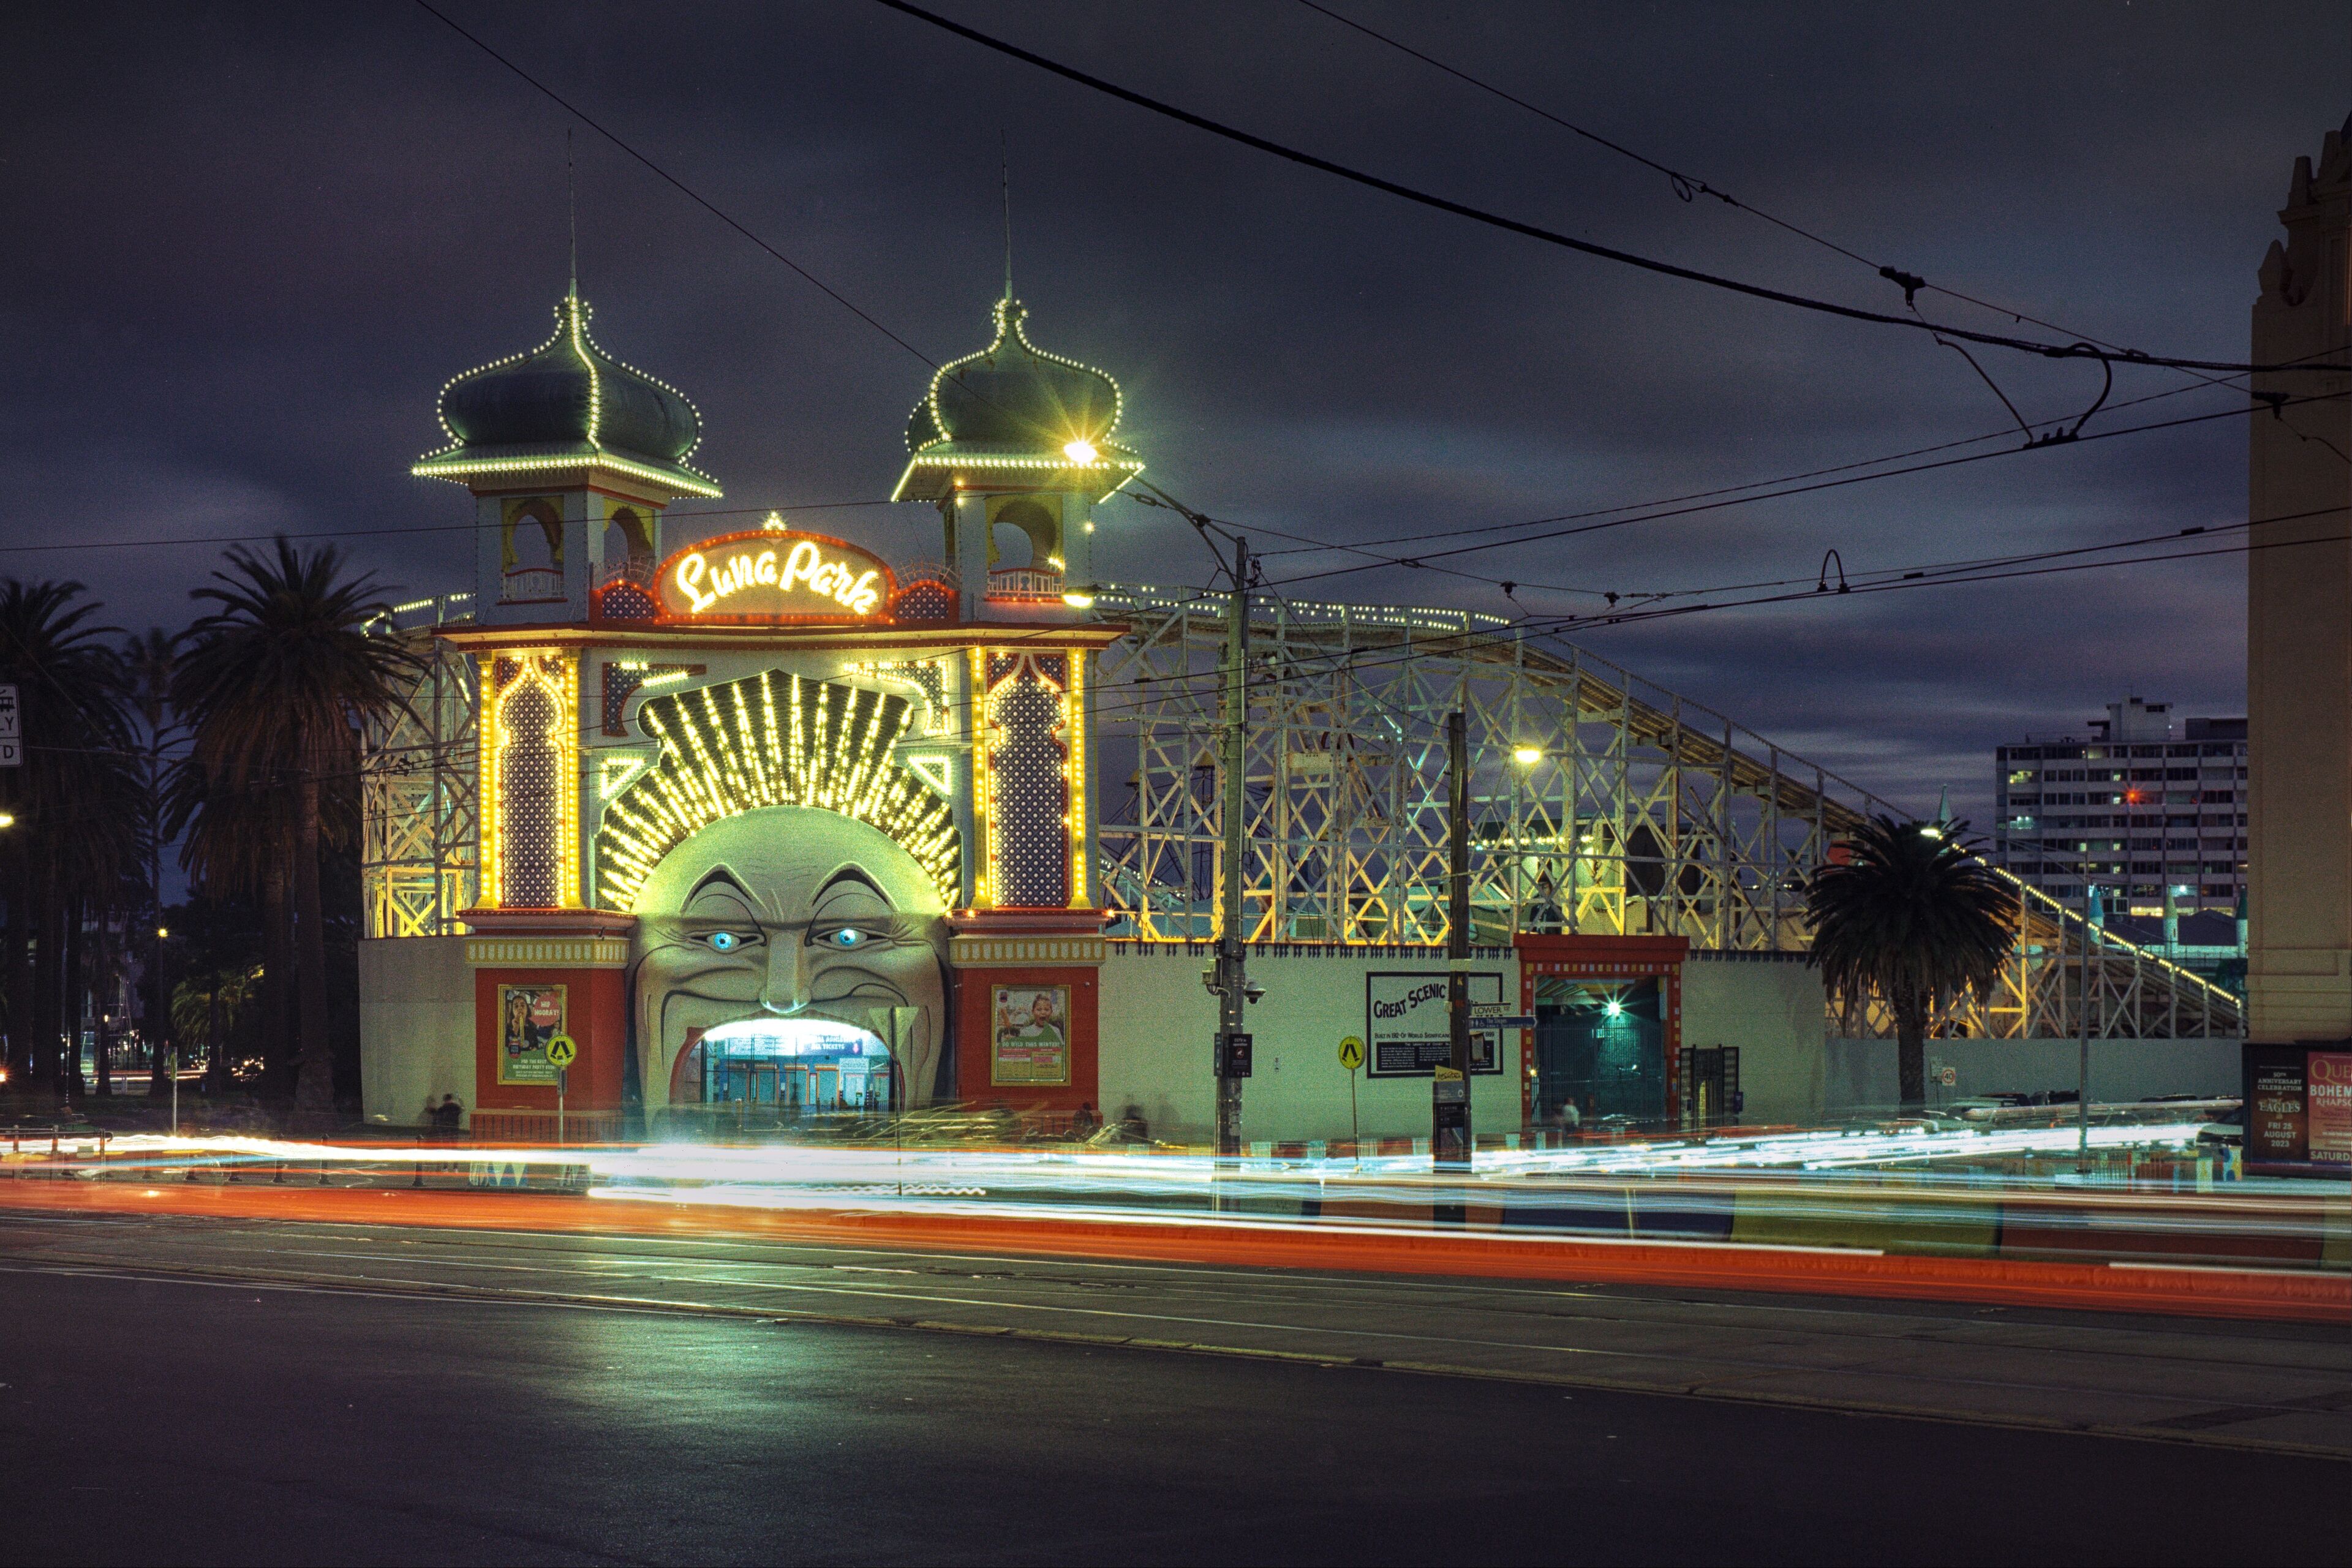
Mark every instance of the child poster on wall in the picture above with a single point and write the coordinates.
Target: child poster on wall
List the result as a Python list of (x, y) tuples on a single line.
[(528, 1016), (1029, 1030)]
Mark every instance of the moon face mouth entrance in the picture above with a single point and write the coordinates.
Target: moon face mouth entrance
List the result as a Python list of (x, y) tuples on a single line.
[(785, 1071)]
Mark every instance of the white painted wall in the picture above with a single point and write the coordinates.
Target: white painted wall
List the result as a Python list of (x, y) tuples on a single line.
[(1158, 1018), (416, 1026), (1862, 1073), (1769, 1004)]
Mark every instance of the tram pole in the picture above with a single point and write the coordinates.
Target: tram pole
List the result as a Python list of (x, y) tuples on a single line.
[(2091, 922), (1233, 1043), (1450, 1140), (1229, 978)]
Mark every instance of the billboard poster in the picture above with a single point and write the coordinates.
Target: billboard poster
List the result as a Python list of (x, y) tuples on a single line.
[(528, 1016), (1410, 1026), (2275, 1107), (1029, 1034), (2327, 1107)]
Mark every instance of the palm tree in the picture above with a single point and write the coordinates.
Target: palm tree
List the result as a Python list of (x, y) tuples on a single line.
[(76, 827), (1912, 914), (147, 664), (275, 681)]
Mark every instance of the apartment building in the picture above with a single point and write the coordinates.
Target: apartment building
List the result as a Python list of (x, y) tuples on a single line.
[(2149, 805)]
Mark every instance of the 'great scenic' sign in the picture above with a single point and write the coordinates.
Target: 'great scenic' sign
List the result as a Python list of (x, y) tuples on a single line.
[(774, 575)]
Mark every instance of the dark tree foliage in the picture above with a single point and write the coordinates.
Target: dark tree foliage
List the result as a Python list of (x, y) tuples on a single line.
[(275, 681), (1910, 912), (75, 856)]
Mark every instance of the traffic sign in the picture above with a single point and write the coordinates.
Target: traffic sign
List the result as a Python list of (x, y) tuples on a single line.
[(562, 1051), (1351, 1053)]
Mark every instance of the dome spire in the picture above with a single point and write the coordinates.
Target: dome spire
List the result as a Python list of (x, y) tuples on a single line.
[(1004, 147), (572, 211)]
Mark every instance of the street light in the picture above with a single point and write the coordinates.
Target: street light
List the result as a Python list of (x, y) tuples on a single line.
[(7, 819), (1527, 756)]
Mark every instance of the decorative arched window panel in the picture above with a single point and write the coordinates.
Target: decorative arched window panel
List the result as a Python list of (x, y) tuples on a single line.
[(530, 766), (1030, 783)]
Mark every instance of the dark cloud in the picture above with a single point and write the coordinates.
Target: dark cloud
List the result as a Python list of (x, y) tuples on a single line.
[(247, 245)]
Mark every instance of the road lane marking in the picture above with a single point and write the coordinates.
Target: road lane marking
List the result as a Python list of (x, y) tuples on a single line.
[(461, 1294)]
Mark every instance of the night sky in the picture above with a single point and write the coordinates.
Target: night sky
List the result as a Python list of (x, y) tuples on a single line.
[(246, 246)]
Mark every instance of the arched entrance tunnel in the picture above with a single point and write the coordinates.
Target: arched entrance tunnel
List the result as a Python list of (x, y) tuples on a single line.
[(787, 1068)]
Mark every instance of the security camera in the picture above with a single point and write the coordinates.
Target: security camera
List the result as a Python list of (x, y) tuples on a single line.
[(1209, 980), (1253, 992)]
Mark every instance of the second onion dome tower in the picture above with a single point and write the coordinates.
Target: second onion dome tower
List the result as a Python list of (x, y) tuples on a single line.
[(1016, 438)]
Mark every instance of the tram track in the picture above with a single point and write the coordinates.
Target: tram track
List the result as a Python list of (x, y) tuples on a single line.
[(2273, 1389)]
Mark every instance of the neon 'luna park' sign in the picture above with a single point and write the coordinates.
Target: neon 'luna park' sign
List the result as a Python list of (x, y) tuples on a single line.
[(773, 575)]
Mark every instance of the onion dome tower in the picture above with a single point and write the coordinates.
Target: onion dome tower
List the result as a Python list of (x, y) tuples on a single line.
[(1013, 437), (571, 455)]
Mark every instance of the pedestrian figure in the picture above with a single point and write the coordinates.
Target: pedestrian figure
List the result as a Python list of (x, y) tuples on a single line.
[(1084, 1122), (449, 1116)]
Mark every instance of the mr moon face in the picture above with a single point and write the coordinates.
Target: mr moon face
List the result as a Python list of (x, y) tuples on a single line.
[(785, 913)]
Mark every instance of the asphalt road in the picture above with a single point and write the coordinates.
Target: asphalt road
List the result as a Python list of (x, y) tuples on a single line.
[(148, 1414)]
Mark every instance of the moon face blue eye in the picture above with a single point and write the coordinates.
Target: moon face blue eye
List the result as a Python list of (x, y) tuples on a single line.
[(847, 936), (723, 941)]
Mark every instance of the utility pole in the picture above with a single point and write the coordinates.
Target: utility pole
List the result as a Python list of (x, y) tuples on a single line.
[(1450, 1141), (1233, 1043), (2082, 1090), (1230, 1049)]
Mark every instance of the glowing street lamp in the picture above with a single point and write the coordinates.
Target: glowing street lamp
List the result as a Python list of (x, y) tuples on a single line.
[(1527, 756)]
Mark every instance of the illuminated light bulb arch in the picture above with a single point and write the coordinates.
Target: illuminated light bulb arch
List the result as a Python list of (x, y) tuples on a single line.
[(771, 739)]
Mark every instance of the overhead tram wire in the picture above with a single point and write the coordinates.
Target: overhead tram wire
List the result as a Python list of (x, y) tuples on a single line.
[(1803, 489), (1730, 499), (1687, 186), (1557, 625), (1370, 546), (1879, 580), (1401, 561), (160, 543), (688, 191), (2080, 350), (1308, 545), (771, 250), (777, 254)]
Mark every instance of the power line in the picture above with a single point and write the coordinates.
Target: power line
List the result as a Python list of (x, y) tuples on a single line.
[(1368, 547), (1957, 574), (688, 191), (382, 533), (2084, 350), (1791, 490), (1686, 186)]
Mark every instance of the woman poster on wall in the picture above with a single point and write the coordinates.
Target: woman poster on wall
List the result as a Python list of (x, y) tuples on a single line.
[(1029, 1031), (528, 1016)]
